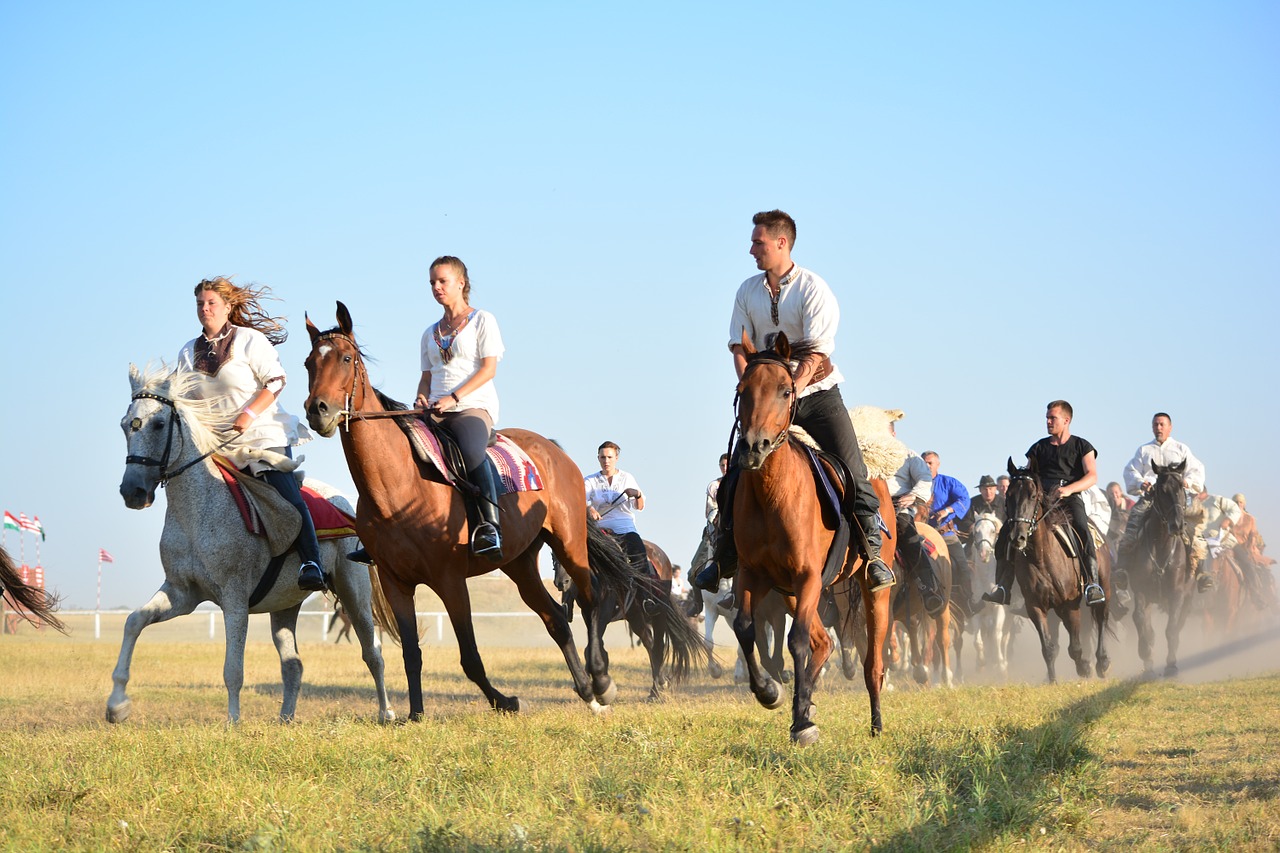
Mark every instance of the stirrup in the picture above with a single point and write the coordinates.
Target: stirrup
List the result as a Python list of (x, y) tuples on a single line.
[(310, 578), (708, 577), (879, 576), (999, 595), (486, 541), (934, 603), (1095, 597)]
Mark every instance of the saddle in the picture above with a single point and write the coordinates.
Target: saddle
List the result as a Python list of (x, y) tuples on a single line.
[(438, 454), (265, 512)]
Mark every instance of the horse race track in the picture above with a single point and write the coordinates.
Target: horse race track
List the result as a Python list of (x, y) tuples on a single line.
[(1081, 765)]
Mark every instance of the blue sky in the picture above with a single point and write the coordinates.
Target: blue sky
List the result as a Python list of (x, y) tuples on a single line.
[(1013, 202)]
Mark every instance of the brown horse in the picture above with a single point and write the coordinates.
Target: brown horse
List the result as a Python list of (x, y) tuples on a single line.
[(1050, 578), (416, 528), (783, 534), (28, 602), (659, 634), (1224, 605), (1157, 567)]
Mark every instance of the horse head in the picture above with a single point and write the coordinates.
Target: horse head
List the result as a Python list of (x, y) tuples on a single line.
[(160, 443), (1023, 502), (1167, 496), (335, 374), (765, 401), (986, 527)]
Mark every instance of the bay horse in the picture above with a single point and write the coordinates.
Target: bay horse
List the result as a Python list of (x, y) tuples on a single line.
[(415, 527), (1223, 605), (783, 534), (652, 624), (28, 602), (1157, 567), (209, 555), (1050, 579)]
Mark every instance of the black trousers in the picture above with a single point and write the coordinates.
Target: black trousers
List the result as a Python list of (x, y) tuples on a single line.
[(825, 417)]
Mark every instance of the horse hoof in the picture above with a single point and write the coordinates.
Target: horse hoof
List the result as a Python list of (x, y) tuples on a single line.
[(786, 676), (714, 669), (806, 736), (1171, 671), (1104, 666), (119, 713), (770, 696), (387, 716), (609, 695), (600, 710)]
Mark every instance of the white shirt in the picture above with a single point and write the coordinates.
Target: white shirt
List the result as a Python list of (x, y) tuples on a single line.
[(478, 339), (602, 491), (915, 477), (1216, 510), (711, 509), (1097, 508), (252, 364), (807, 311), (1139, 469)]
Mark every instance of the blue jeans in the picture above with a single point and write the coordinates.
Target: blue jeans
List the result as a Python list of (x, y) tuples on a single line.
[(287, 485)]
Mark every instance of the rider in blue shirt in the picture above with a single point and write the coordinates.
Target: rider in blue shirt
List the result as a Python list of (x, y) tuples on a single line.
[(950, 505)]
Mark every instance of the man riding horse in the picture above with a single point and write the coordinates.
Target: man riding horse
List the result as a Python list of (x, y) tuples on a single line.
[(787, 298), (1067, 465), (1140, 476)]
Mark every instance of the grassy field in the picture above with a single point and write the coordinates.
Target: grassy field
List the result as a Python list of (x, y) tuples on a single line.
[(1081, 765)]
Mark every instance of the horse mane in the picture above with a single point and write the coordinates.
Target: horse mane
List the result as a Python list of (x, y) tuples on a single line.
[(182, 387)]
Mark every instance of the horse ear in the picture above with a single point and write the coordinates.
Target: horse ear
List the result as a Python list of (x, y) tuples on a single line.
[(135, 378), (311, 327), (1179, 467), (1158, 469), (782, 346), (747, 346), (344, 319), (1012, 469)]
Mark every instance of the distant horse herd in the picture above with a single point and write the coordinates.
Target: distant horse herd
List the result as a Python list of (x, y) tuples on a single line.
[(413, 523)]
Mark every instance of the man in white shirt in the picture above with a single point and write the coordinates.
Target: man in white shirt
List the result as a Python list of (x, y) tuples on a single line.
[(711, 512), (789, 299), (1140, 476), (613, 499)]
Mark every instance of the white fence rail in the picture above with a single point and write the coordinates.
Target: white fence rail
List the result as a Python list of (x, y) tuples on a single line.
[(325, 616)]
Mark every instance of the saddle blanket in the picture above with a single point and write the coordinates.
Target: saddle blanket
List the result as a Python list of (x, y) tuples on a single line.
[(516, 470), (330, 522)]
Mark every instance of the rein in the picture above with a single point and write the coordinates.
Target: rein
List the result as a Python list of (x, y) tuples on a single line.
[(1040, 505), (163, 462)]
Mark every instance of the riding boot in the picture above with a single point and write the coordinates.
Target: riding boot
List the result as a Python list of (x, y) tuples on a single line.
[(724, 555), (1204, 580), (693, 603), (1000, 594), (360, 555), (927, 583), (879, 575), (1093, 593), (486, 537)]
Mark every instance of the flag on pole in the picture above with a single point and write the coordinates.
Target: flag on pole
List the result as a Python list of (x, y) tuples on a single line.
[(37, 527), (26, 523), (104, 557), (11, 523)]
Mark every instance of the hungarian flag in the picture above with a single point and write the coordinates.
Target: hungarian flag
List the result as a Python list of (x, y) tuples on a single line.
[(37, 527), (104, 557), (11, 523), (27, 524)]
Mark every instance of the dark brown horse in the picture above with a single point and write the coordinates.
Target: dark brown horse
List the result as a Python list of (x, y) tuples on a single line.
[(783, 534), (416, 528), (28, 602), (1049, 577), (659, 633), (1157, 567)]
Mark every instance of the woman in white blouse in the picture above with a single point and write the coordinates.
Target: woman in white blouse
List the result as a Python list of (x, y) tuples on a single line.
[(241, 375)]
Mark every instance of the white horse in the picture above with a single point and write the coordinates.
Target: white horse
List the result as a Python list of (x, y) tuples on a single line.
[(207, 553), (993, 627)]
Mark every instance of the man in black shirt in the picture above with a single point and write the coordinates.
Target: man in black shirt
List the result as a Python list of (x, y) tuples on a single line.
[(1067, 466)]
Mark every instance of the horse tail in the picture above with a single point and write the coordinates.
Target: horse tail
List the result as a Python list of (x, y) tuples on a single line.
[(614, 573), (382, 614), (33, 604)]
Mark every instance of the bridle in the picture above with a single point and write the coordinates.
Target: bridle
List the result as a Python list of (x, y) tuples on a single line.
[(358, 377), (163, 462), (1043, 508), (753, 361)]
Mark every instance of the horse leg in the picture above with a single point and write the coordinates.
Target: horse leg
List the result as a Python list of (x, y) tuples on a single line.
[(1075, 640), (801, 642), (403, 608), (1173, 631), (1048, 640), (456, 598), (167, 603), (876, 609), (1102, 658), (653, 638), (355, 591), (284, 633), (710, 610), (763, 686), (1146, 634), (524, 571), (919, 671), (235, 623), (944, 640)]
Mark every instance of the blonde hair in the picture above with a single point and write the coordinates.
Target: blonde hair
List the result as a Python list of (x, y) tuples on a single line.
[(245, 307)]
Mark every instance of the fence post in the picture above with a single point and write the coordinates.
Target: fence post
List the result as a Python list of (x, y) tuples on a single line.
[(439, 627), (211, 625), (97, 625)]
